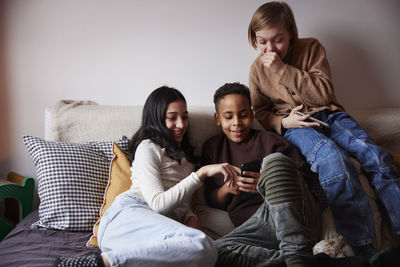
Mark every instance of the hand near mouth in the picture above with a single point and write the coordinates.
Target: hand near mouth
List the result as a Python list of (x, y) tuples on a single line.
[(272, 61)]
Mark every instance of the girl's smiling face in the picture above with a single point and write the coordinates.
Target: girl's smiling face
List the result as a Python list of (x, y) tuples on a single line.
[(274, 39), (177, 120)]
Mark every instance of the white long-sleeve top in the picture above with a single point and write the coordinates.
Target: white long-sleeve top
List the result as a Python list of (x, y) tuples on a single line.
[(164, 184)]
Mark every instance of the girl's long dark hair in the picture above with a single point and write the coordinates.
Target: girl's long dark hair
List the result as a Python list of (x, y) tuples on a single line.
[(153, 125)]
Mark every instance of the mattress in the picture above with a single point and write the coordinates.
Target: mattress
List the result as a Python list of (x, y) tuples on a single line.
[(24, 246)]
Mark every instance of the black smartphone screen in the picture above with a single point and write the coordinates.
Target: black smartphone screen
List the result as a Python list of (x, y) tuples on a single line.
[(253, 166)]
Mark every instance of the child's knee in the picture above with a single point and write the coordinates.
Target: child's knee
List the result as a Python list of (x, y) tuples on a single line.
[(279, 180), (327, 155)]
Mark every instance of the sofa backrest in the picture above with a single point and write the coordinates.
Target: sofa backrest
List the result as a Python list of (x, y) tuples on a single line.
[(82, 121)]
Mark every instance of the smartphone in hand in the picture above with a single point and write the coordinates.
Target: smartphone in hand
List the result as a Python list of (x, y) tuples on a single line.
[(253, 166), (313, 119)]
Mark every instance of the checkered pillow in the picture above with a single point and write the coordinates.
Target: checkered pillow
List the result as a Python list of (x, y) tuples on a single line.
[(71, 181)]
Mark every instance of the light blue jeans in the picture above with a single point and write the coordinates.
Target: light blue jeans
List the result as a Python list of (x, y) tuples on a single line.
[(328, 151), (132, 234)]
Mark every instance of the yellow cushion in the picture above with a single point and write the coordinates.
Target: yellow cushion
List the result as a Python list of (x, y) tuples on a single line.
[(119, 181)]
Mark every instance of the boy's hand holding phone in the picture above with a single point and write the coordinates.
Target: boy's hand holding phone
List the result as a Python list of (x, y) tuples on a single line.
[(249, 184), (248, 179)]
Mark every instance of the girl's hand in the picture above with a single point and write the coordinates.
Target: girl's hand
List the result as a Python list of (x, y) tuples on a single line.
[(272, 61), (297, 121), (226, 191), (225, 170), (231, 187), (248, 184)]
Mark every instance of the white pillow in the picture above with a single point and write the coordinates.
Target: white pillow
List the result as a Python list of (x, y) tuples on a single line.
[(71, 180)]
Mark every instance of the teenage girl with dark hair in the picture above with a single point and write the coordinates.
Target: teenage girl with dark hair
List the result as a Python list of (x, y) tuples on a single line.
[(144, 226)]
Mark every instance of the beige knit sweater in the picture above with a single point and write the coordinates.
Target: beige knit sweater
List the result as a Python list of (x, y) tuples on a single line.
[(305, 79)]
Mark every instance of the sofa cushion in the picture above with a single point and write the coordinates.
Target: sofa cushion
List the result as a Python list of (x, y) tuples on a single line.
[(119, 181), (71, 181), (382, 124), (83, 121)]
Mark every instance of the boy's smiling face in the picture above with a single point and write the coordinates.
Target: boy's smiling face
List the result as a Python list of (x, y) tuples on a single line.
[(235, 117)]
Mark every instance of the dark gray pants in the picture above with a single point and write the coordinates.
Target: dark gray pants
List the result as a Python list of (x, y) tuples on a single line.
[(291, 225)]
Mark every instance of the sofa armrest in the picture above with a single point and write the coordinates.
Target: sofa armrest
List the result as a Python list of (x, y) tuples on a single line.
[(17, 192)]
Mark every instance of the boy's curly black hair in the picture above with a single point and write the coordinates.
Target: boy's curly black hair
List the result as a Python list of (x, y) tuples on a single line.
[(229, 89)]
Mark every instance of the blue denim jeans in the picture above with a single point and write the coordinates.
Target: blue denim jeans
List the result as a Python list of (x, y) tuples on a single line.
[(132, 234), (328, 152), (274, 231)]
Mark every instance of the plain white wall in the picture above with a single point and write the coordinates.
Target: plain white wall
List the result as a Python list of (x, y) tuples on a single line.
[(117, 52)]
